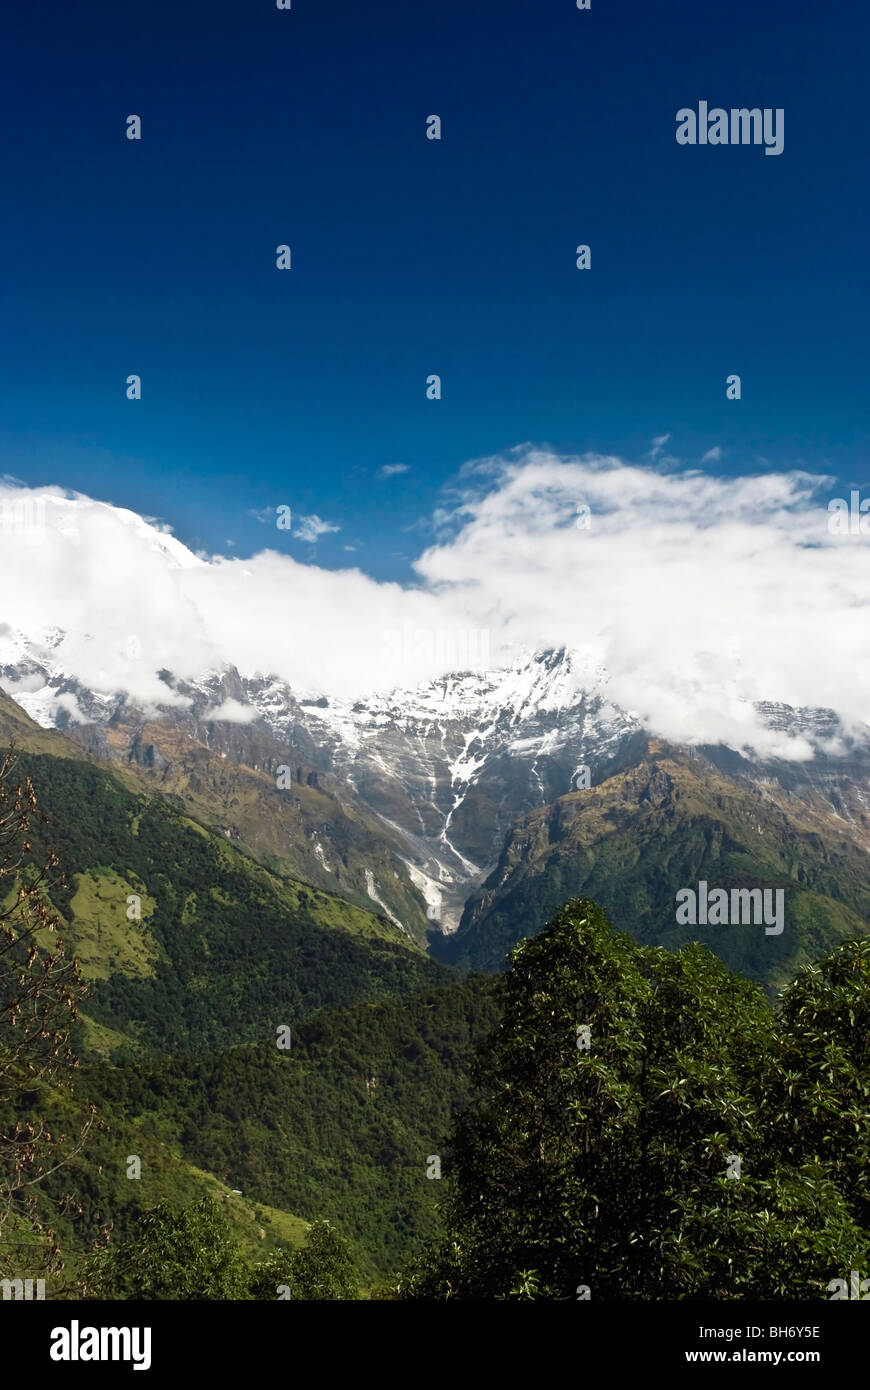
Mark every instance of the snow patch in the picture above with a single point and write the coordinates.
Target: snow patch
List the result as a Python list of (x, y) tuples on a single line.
[(376, 898)]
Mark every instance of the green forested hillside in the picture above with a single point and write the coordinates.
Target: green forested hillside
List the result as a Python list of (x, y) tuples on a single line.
[(341, 1126), (93, 1198), (178, 1033), (224, 951)]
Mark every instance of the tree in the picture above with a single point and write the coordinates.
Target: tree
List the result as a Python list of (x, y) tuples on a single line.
[(820, 1099), (637, 1159), (322, 1270), (178, 1252), (40, 990)]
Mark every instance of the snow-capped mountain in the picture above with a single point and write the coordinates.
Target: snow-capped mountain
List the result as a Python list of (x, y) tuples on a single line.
[(401, 799), (452, 764), (446, 767), (424, 784)]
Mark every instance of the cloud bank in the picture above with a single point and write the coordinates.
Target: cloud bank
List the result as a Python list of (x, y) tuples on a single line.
[(696, 595)]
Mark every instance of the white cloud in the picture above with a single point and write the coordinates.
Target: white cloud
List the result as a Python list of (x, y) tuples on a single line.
[(697, 595), (230, 712), (658, 444), (70, 705), (311, 528), (712, 455), (389, 470)]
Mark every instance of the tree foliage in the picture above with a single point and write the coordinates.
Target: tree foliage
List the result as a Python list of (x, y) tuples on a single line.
[(176, 1252), (703, 1146), (322, 1270), (190, 1252)]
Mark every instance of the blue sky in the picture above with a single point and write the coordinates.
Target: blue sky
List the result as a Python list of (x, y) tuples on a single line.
[(413, 256)]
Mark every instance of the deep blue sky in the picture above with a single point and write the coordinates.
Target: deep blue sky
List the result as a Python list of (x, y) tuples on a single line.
[(412, 256)]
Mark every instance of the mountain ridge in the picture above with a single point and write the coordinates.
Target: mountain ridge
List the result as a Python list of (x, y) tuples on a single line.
[(665, 823), (408, 803)]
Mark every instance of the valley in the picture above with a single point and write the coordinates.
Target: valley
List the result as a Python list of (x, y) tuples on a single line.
[(367, 898)]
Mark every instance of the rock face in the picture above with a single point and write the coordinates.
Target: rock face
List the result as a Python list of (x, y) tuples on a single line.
[(410, 801), (452, 765)]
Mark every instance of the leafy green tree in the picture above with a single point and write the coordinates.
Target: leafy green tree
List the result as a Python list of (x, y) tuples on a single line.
[(820, 1101), (641, 1163), (176, 1253), (323, 1269)]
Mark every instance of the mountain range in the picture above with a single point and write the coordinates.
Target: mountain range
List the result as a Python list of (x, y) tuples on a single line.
[(357, 870), (461, 809)]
